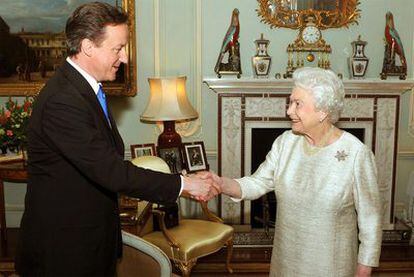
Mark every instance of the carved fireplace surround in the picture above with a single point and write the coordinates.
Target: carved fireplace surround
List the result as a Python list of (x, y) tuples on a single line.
[(372, 105)]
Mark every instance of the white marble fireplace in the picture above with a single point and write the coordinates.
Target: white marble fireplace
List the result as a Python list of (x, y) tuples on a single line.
[(246, 104)]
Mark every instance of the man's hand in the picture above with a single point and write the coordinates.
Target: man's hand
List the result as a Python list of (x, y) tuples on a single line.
[(211, 175), (227, 186), (200, 189), (363, 271)]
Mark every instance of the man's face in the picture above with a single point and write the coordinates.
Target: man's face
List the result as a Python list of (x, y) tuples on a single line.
[(108, 56)]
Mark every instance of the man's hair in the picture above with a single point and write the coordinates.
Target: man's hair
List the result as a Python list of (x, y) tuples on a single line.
[(88, 21), (325, 87)]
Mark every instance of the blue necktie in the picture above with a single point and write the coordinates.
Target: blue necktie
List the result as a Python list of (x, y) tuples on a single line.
[(102, 100)]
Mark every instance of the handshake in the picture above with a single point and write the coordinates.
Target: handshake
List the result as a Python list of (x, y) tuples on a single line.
[(202, 186)]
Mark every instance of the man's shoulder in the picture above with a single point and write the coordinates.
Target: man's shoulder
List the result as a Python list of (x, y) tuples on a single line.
[(59, 90), (59, 84)]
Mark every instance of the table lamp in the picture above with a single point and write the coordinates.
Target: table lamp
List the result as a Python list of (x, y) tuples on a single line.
[(168, 103)]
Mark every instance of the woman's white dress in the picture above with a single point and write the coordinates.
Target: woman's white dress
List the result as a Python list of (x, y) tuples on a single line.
[(327, 199)]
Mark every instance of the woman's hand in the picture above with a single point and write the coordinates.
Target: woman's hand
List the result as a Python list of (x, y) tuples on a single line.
[(202, 189), (363, 271), (210, 175), (227, 186)]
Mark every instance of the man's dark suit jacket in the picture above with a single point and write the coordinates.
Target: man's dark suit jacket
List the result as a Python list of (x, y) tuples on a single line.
[(76, 168)]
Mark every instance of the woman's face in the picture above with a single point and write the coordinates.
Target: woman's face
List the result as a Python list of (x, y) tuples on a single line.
[(302, 111)]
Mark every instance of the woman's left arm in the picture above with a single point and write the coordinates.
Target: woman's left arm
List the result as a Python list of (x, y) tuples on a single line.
[(367, 204)]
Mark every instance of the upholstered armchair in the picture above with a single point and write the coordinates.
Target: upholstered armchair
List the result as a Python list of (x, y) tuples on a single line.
[(141, 258), (192, 238)]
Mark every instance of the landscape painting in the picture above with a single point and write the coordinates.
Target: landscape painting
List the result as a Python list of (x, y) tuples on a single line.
[(33, 45)]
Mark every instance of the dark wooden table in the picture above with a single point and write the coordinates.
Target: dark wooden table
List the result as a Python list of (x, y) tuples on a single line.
[(15, 172)]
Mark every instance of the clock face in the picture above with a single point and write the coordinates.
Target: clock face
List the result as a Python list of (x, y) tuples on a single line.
[(311, 34)]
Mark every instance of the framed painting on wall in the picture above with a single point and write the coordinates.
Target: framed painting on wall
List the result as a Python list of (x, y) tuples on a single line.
[(32, 45)]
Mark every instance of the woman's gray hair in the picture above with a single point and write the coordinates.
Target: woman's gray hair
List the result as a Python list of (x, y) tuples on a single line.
[(326, 88)]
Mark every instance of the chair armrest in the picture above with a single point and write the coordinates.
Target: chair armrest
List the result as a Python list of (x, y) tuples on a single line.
[(151, 250), (143, 217), (206, 211), (209, 214), (160, 217)]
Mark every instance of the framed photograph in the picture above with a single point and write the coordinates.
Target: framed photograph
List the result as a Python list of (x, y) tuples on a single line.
[(195, 156), (173, 157), (33, 45), (138, 150)]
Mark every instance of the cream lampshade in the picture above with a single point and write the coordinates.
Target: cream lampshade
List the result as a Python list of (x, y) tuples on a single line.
[(168, 103)]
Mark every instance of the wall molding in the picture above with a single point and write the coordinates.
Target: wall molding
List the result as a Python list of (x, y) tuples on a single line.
[(406, 154), (191, 128), (14, 207), (411, 114), (157, 62), (210, 154)]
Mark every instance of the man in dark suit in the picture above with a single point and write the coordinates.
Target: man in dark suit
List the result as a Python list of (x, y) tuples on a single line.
[(76, 167)]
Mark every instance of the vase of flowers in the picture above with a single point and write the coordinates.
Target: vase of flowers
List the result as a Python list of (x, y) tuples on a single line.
[(14, 118)]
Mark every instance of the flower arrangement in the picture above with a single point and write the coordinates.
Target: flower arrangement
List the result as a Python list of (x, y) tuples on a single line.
[(13, 122)]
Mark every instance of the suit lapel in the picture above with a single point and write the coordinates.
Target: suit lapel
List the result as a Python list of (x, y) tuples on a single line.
[(83, 87)]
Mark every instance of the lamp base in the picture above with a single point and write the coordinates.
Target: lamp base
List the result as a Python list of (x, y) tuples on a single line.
[(169, 137)]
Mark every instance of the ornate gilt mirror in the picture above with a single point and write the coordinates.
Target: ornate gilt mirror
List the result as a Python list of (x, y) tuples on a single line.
[(294, 13)]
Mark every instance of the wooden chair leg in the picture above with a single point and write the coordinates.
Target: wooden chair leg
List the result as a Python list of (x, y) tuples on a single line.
[(186, 267), (229, 244)]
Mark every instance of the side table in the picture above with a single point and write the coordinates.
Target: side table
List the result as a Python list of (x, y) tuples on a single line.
[(10, 171)]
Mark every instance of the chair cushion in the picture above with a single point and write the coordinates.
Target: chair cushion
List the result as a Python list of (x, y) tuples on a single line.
[(196, 238)]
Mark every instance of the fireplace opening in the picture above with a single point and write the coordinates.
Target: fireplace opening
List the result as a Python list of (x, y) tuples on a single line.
[(263, 210)]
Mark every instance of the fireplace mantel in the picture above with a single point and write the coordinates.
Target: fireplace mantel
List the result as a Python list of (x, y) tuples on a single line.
[(247, 103), (264, 85)]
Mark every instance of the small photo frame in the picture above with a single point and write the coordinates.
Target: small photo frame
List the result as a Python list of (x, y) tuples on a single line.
[(138, 150), (173, 157), (195, 156)]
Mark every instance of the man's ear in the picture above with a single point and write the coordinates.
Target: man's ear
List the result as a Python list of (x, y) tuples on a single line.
[(87, 47)]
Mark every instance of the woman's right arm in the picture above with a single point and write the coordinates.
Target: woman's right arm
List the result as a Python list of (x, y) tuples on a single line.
[(228, 186), (254, 186), (231, 187)]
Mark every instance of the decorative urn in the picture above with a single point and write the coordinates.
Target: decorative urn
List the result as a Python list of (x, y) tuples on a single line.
[(358, 63), (261, 62)]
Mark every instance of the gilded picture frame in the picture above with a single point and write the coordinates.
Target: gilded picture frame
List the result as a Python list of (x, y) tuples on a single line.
[(294, 14), (30, 55)]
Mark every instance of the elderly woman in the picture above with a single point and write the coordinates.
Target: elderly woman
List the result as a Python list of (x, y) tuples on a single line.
[(325, 183)]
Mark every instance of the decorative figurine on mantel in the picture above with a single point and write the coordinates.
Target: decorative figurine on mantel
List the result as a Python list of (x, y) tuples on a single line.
[(228, 61), (358, 63), (393, 49), (262, 61)]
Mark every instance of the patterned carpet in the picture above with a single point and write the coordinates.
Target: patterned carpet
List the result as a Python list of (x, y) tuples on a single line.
[(254, 238)]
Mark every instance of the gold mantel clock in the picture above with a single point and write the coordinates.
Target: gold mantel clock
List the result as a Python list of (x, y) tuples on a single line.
[(303, 50)]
